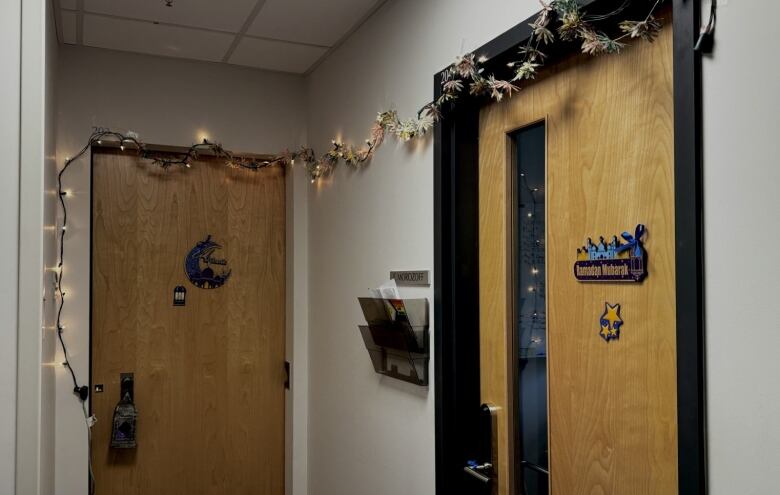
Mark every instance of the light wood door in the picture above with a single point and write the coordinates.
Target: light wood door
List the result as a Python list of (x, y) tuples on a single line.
[(612, 406), (209, 376)]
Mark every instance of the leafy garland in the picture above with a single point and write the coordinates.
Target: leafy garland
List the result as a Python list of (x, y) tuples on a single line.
[(466, 73)]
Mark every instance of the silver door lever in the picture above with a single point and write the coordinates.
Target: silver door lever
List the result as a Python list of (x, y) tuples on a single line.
[(476, 471)]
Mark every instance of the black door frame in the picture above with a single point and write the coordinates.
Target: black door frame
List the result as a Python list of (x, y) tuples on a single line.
[(456, 266)]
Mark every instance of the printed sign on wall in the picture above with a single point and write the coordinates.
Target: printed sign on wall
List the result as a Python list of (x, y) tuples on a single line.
[(203, 268), (613, 261)]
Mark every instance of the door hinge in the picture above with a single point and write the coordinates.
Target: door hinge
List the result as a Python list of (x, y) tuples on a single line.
[(287, 375)]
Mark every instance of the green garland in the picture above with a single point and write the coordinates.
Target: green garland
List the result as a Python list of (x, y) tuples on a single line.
[(573, 24), (558, 21)]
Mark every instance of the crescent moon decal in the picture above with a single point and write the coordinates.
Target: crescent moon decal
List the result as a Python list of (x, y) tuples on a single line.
[(201, 266)]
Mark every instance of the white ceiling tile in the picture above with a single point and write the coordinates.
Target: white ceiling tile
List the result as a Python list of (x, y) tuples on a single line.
[(156, 39), (210, 14), (319, 22), (276, 55), (69, 27), (69, 4)]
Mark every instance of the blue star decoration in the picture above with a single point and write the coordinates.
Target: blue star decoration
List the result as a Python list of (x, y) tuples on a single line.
[(611, 322)]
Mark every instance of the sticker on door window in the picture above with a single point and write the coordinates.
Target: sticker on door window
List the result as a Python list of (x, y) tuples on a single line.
[(613, 260), (610, 322), (203, 268)]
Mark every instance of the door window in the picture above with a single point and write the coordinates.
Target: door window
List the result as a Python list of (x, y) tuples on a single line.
[(530, 314)]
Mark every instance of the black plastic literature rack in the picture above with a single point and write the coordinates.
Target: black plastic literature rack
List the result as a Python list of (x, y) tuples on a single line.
[(396, 337)]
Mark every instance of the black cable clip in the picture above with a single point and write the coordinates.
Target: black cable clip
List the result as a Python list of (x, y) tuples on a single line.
[(82, 392)]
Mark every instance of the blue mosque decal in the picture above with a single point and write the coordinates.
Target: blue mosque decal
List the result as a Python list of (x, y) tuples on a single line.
[(613, 260), (205, 270)]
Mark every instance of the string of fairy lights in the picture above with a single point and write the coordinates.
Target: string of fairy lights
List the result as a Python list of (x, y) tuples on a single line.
[(532, 251), (464, 77)]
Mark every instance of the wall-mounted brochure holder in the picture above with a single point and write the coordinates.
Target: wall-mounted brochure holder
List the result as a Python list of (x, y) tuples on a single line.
[(396, 337)]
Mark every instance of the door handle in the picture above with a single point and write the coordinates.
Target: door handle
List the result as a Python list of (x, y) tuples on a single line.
[(476, 470), (483, 468)]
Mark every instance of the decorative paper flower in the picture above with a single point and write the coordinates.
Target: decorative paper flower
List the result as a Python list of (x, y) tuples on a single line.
[(465, 66), (594, 44), (499, 87), (433, 110), (571, 23), (479, 87), (647, 29), (377, 134), (453, 86), (531, 54), (406, 130), (425, 124), (527, 70)]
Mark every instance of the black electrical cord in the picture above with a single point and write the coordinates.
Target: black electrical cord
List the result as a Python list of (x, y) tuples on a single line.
[(82, 391), (707, 33)]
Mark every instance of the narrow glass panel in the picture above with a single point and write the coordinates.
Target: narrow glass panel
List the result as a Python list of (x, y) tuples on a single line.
[(530, 312)]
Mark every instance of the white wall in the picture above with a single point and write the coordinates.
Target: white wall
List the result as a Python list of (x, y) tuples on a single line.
[(370, 434), (49, 253), (172, 102), (742, 231), (10, 34), (35, 398), (363, 224)]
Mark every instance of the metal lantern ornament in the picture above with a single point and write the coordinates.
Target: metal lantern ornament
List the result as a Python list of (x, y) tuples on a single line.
[(125, 415)]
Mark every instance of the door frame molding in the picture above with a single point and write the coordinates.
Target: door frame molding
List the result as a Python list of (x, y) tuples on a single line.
[(456, 257)]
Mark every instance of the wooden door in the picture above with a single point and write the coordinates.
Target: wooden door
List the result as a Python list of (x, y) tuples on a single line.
[(209, 375), (612, 405)]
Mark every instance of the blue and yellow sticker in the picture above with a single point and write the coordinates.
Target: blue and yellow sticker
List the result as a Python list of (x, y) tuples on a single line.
[(610, 322), (203, 268), (613, 260)]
